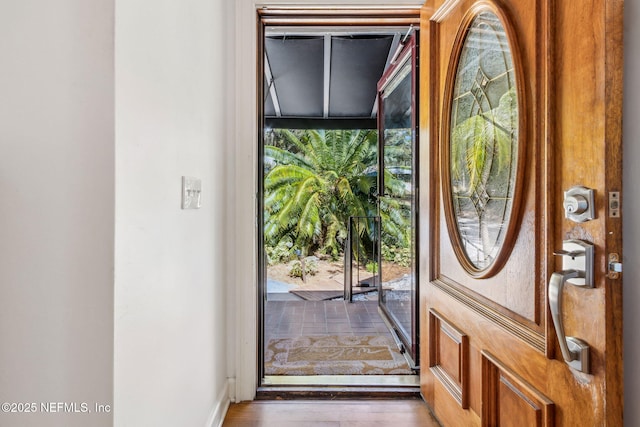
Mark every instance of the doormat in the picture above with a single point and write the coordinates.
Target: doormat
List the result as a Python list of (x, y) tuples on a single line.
[(335, 355)]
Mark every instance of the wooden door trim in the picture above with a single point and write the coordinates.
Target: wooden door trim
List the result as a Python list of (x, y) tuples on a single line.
[(336, 16), (518, 328), (614, 58)]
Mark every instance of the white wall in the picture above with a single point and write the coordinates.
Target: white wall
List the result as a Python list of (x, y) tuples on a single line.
[(56, 208), (631, 212), (170, 264)]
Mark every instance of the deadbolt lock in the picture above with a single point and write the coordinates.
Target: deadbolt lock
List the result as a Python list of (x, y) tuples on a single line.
[(579, 204)]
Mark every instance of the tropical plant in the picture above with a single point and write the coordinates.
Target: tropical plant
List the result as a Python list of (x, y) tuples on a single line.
[(397, 255), (310, 267), (482, 138), (396, 207), (315, 184), (311, 192), (280, 253)]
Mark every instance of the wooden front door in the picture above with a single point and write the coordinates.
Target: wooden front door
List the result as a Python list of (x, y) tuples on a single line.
[(520, 229)]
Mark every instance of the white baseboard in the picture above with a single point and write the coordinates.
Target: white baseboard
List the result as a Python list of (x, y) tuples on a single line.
[(232, 389), (220, 408)]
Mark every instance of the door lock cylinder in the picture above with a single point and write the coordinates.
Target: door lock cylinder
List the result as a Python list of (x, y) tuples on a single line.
[(579, 204)]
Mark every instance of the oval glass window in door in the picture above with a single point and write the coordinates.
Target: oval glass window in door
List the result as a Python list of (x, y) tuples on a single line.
[(483, 143)]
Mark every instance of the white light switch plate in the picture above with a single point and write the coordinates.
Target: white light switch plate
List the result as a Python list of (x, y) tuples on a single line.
[(191, 192)]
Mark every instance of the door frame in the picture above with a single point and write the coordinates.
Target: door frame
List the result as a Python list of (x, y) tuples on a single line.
[(243, 93), (322, 17)]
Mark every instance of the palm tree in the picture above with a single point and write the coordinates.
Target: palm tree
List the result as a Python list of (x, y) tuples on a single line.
[(481, 138), (314, 186), (483, 149)]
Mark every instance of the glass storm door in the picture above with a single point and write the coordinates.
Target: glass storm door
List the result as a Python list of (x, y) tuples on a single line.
[(398, 196)]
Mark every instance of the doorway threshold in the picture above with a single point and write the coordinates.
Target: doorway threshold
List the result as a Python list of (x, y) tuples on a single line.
[(339, 386), (343, 380)]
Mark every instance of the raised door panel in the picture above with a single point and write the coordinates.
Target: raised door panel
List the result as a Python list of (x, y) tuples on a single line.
[(449, 357), (509, 400)]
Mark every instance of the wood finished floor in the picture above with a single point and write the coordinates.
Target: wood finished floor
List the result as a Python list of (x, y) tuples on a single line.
[(330, 413)]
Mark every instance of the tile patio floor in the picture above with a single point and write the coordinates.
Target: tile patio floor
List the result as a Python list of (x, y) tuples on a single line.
[(290, 319)]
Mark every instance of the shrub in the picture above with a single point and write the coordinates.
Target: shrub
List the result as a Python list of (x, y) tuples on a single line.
[(279, 254), (400, 256), (310, 267), (372, 267)]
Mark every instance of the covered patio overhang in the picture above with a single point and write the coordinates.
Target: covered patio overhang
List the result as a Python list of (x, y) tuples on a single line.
[(326, 78)]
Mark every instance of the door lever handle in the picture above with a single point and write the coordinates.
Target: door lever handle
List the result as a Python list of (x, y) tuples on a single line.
[(574, 351)]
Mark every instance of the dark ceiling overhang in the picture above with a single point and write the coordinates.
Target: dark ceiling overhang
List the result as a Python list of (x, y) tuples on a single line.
[(326, 79)]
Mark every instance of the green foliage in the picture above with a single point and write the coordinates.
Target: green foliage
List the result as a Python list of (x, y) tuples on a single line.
[(372, 267), (316, 179), (282, 252), (310, 267), (476, 141), (314, 184), (397, 255)]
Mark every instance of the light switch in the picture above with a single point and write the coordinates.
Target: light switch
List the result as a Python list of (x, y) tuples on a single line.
[(191, 192)]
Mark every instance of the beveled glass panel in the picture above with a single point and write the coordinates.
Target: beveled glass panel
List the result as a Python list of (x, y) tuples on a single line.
[(483, 140)]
